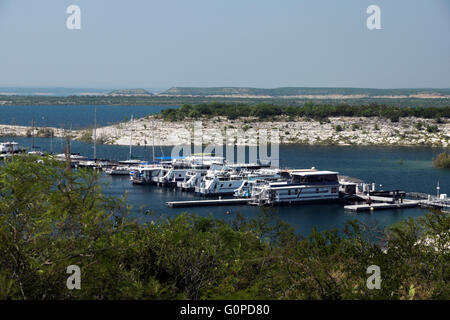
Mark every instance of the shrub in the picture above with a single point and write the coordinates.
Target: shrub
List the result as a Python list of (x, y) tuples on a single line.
[(419, 125), (432, 128), (442, 161), (86, 136), (45, 132)]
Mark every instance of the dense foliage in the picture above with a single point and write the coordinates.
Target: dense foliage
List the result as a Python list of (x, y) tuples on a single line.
[(264, 111), (442, 161), (295, 91), (51, 218)]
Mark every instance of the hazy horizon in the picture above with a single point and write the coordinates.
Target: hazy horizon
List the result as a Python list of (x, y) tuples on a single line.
[(188, 86)]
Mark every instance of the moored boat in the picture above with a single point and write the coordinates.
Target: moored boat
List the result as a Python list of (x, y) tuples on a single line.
[(10, 147), (118, 171), (304, 186)]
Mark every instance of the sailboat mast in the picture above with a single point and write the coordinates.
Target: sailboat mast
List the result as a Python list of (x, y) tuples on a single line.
[(438, 188), (51, 141), (32, 125), (153, 139), (95, 133), (131, 135)]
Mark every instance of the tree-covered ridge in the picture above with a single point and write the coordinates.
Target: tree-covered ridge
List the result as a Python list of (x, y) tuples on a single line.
[(295, 91), (175, 100), (51, 218), (317, 111)]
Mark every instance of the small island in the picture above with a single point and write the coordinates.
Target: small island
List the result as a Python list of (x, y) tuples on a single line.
[(310, 124)]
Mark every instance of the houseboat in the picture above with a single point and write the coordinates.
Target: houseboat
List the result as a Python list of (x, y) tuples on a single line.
[(228, 180), (303, 186), (192, 179), (10, 147)]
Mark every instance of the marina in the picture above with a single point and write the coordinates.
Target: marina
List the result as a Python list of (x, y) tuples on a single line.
[(415, 175), (248, 184)]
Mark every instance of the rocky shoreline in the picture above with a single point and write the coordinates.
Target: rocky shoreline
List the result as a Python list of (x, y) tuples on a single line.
[(333, 131)]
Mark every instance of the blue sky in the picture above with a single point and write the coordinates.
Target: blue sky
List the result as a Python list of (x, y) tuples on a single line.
[(255, 43)]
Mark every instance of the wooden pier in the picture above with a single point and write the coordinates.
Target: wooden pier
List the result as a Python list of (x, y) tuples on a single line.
[(200, 203)]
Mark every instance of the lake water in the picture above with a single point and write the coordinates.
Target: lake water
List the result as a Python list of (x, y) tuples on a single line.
[(75, 117), (405, 168)]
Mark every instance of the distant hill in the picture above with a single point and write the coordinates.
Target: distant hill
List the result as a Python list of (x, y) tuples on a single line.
[(130, 92), (57, 91), (305, 91)]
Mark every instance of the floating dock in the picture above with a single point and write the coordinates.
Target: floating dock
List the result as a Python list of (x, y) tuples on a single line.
[(200, 203), (380, 203), (441, 204), (377, 198), (381, 206)]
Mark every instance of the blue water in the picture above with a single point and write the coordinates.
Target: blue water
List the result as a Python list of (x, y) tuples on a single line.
[(75, 117), (405, 168)]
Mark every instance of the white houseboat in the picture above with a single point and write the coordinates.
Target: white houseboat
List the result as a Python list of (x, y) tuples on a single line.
[(192, 179), (145, 174), (255, 178), (10, 147), (304, 186), (118, 170), (227, 181)]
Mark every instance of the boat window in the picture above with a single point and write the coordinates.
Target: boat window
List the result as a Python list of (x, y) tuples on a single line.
[(289, 192), (333, 190), (323, 178), (317, 190), (229, 185), (221, 185), (296, 191)]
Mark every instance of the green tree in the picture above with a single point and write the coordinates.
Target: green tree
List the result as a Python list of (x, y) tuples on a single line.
[(51, 217)]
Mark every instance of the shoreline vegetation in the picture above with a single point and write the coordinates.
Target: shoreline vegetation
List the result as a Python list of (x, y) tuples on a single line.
[(442, 161), (309, 124), (189, 257)]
